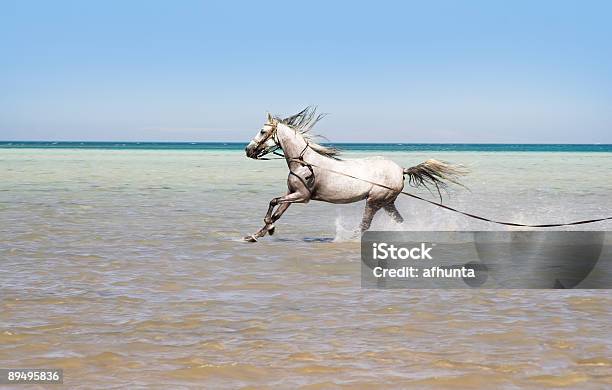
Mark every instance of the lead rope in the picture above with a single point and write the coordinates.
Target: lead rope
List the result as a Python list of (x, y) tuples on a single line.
[(465, 213), (310, 178)]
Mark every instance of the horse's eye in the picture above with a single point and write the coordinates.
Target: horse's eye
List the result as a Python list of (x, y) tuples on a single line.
[(262, 131)]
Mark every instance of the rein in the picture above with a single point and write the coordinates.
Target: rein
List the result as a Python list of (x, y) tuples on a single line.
[(310, 179)]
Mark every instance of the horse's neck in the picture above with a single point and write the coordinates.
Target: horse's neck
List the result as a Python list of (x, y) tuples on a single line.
[(292, 143), (294, 146)]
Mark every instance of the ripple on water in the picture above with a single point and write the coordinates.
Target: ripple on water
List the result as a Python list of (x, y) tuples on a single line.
[(134, 262)]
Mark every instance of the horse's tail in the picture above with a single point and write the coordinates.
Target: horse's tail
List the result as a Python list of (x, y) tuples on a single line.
[(434, 172)]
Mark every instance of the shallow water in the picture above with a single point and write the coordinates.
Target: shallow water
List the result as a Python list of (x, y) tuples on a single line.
[(125, 267)]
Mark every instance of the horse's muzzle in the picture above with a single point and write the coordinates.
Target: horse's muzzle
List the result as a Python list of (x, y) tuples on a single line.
[(251, 152)]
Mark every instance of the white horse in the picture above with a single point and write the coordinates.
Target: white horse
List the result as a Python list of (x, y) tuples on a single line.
[(316, 172)]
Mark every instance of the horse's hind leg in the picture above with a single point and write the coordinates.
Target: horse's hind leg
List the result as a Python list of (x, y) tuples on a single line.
[(392, 211), (370, 210)]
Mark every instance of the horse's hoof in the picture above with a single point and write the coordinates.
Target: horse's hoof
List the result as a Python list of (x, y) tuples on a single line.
[(271, 230), (250, 238)]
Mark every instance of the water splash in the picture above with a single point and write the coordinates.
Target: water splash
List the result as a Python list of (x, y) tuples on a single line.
[(346, 230)]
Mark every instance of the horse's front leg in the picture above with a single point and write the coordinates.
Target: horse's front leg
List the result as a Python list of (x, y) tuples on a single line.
[(283, 204), (280, 210)]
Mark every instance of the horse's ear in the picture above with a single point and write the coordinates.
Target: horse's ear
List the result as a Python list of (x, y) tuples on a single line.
[(269, 117)]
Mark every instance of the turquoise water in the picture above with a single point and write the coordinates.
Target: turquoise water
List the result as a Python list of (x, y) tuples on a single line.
[(390, 147)]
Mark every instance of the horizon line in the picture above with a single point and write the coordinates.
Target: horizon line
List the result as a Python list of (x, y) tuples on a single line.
[(328, 143)]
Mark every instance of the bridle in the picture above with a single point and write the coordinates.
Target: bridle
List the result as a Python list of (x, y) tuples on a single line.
[(273, 149)]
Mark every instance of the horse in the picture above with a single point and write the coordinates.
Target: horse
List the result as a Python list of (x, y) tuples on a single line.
[(316, 172)]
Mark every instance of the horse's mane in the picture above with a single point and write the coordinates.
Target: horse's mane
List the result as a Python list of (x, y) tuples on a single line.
[(302, 123)]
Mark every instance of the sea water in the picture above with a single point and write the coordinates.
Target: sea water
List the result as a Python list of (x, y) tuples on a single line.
[(129, 260)]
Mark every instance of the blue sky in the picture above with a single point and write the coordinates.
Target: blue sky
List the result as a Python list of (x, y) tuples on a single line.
[(474, 71)]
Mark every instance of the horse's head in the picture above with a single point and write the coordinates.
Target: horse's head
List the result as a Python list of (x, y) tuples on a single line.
[(264, 141)]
